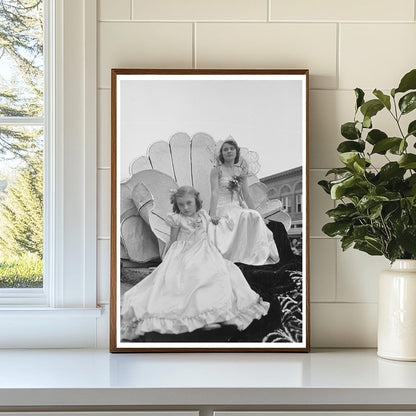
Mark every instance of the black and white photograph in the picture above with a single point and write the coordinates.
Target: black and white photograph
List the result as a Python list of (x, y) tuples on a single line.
[(209, 214)]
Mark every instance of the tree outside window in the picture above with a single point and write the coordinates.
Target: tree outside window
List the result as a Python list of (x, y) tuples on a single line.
[(21, 143)]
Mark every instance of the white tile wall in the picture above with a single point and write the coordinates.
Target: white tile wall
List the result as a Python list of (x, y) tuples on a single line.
[(104, 128), (104, 202), (200, 10), (323, 269), (370, 10), (389, 52), (357, 275), (142, 45), (103, 271), (114, 10), (319, 203), (328, 110), (270, 45), (344, 325), (345, 44)]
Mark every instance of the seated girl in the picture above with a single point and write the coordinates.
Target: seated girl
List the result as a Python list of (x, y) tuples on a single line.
[(240, 233), (194, 287)]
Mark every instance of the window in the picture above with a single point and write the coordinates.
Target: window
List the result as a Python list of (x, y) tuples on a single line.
[(286, 198), (272, 193), (298, 197), (64, 312), (22, 127)]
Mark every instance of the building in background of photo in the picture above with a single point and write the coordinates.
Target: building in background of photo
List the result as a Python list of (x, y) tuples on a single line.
[(287, 186)]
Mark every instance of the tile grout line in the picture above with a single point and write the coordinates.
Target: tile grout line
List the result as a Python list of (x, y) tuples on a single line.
[(269, 11), (309, 22), (338, 63), (131, 9), (317, 302), (336, 271), (194, 63)]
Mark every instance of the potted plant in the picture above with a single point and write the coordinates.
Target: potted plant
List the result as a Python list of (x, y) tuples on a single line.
[(376, 207)]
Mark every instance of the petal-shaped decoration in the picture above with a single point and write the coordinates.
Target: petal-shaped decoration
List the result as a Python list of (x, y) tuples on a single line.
[(123, 251), (279, 216), (143, 200), (160, 158), (138, 239), (126, 203), (269, 209), (180, 149), (150, 192), (258, 192), (202, 157), (141, 163)]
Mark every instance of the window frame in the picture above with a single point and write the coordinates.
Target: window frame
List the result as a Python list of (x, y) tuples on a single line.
[(70, 170)]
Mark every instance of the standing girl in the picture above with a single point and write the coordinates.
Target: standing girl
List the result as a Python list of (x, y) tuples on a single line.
[(194, 286), (240, 233)]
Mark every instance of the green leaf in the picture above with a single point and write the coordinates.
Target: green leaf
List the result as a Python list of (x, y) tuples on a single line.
[(359, 95), (385, 99), (408, 82), (349, 131), (336, 228), (368, 248), (348, 158), (391, 170), (411, 130), (393, 92), (361, 231), (407, 240), (399, 148), (375, 211), (383, 145), (325, 186), (359, 165), (346, 186), (346, 242), (369, 201), (408, 102), (342, 211), (393, 250), (371, 108), (349, 146), (375, 136), (408, 161), (338, 171), (367, 122)]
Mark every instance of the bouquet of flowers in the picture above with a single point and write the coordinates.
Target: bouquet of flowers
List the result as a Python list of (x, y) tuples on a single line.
[(234, 184)]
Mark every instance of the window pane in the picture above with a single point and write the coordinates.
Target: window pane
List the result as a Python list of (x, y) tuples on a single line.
[(21, 207), (21, 58)]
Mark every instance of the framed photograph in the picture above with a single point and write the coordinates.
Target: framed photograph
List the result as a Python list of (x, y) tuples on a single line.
[(209, 210)]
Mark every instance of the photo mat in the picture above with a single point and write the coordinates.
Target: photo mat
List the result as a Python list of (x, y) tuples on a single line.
[(168, 128)]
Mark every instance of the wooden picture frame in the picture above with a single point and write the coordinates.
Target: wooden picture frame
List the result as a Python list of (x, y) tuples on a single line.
[(168, 130)]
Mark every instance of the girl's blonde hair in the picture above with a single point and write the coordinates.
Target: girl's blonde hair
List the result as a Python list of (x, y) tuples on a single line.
[(182, 191)]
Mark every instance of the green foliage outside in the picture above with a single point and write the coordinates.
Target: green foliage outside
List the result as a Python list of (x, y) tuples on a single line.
[(21, 271), (21, 147), (376, 212)]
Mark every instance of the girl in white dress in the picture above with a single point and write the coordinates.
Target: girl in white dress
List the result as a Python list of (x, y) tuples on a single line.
[(240, 233), (194, 286)]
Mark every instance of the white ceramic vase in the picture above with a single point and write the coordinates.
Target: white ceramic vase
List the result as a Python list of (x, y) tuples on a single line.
[(397, 312)]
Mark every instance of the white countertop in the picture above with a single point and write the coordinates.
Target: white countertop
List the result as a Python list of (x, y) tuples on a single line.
[(96, 377)]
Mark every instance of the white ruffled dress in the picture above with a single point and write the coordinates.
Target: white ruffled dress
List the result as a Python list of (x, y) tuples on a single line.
[(193, 287)]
